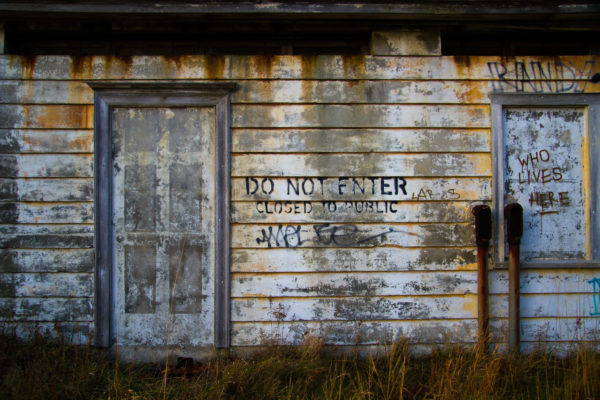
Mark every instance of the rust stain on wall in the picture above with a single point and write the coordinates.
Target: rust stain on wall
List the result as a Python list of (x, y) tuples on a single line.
[(469, 93), (264, 66), (180, 63), (214, 66), (79, 143), (124, 62), (354, 66), (60, 116), (471, 304), (308, 65), (28, 64), (81, 66)]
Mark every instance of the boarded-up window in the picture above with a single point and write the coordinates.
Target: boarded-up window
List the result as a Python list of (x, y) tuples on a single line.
[(544, 161)]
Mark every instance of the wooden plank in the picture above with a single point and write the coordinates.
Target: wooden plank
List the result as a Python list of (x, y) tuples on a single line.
[(266, 91), (47, 260), (47, 213), (349, 235), (360, 140), (404, 307), (509, 69), (423, 91), (379, 350), (546, 281), (559, 349), (48, 309), (46, 141), (354, 308), (46, 236), (341, 333), (360, 116), (417, 189), (46, 165), (46, 285), (545, 305), (34, 189), (61, 229), (353, 284), (344, 260), (286, 212), (47, 241), (360, 165), (45, 92), (549, 329), (78, 333), (362, 92), (46, 116), (391, 283)]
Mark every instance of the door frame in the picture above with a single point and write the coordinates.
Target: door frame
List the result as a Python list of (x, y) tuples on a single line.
[(111, 94)]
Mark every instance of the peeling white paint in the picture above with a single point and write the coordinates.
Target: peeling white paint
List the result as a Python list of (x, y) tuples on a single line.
[(363, 278)]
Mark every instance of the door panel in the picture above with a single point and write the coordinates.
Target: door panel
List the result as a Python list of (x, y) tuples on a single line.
[(163, 225)]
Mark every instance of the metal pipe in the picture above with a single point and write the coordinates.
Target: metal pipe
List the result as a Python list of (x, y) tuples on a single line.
[(514, 308), (513, 214), (483, 234)]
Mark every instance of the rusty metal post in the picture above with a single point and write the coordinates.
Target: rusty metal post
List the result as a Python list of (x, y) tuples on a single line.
[(513, 214), (483, 234)]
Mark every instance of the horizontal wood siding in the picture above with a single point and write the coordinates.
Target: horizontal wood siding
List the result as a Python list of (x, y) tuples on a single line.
[(46, 209), (73, 332), (353, 180), (274, 140), (540, 70)]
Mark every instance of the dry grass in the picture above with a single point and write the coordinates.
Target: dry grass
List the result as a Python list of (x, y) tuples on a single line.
[(45, 369)]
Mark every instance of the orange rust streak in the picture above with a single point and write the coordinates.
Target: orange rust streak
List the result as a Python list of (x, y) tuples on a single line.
[(81, 66), (463, 65), (28, 66), (264, 66), (59, 116), (214, 67), (82, 144), (308, 63), (354, 66), (470, 93), (179, 64)]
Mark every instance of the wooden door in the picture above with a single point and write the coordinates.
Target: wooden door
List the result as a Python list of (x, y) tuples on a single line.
[(162, 214), (163, 221)]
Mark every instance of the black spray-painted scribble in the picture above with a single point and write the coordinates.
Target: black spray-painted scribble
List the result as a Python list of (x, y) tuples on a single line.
[(540, 77), (427, 194), (282, 236), (292, 236)]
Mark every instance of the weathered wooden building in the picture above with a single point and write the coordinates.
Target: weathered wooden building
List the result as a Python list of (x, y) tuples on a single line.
[(229, 174)]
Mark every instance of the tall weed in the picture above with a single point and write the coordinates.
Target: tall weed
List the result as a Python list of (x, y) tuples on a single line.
[(47, 369)]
